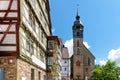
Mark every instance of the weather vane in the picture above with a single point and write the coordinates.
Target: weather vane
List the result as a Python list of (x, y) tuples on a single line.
[(77, 8)]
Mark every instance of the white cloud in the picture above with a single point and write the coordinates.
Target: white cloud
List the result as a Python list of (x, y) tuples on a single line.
[(69, 44), (114, 55), (53, 30), (102, 62), (86, 44)]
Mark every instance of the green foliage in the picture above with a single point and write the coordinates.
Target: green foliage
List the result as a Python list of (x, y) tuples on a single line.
[(109, 71)]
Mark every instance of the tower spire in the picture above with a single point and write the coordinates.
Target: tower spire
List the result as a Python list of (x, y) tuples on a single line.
[(77, 16)]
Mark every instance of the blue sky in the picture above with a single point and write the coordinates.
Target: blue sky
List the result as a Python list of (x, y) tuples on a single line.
[(101, 20)]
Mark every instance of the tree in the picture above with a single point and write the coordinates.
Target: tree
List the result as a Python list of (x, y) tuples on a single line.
[(118, 72), (96, 74), (109, 71)]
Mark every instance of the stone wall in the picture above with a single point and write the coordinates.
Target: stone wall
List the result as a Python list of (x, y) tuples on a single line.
[(24, 71), (9, 65), (17, 69)]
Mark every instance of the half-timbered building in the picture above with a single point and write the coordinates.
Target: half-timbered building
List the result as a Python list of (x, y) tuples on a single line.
[(24, 27)]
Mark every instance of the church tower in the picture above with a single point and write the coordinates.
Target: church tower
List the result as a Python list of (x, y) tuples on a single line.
[(82, 60), (78, 29)]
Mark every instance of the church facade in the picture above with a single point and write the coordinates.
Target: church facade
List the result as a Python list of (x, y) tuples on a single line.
[(82, 60)]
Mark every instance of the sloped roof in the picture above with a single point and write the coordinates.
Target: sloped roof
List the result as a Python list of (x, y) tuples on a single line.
[(65, 53), (88, 51)]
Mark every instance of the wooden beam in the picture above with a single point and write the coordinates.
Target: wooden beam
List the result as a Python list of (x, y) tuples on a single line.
[(7, 22), (9, 11), (10, 32), (8, 18), (5, 34), (8, 53), (7, 44), (10, 4)]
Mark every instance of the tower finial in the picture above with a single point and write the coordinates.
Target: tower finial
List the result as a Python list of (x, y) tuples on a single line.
[(77, 9), (77, 16)]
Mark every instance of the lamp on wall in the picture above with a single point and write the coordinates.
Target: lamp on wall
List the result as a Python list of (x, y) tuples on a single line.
[(11, 60)]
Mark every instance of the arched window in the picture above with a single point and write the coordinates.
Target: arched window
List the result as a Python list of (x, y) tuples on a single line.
[(77, 43), (89, 61)]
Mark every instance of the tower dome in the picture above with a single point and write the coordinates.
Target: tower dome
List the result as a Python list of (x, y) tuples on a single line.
[(78, 28), (77, 21)]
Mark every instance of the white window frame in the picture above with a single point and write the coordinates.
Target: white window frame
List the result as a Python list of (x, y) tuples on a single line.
[(50, 60), (50, 44)]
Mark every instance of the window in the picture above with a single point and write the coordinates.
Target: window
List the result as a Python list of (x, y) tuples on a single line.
[(29, 47), (32, 74), (44, 78), (50, 61), (78, 51), (2, 74), (50, 44), (89, 61), (77, 27), (42, 56), (78, 43), (65, 62), (65, 69), (39, 75), (32, 20)]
